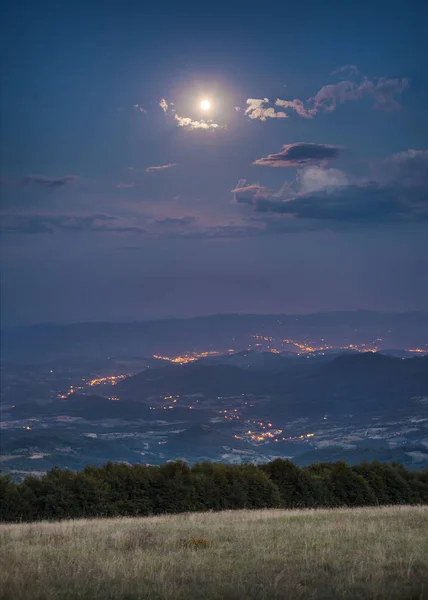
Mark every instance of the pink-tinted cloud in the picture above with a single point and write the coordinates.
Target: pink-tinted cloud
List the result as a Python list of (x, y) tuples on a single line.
[(247, 193)]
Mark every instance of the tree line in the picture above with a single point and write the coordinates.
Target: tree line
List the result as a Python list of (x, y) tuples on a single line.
[(118, 489)]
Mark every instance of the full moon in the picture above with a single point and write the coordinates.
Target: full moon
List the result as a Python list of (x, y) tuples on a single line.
[(205, 104)]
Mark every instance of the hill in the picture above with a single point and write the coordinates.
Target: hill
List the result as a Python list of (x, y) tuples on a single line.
[(272, 554), (347, 382), (206, 440)]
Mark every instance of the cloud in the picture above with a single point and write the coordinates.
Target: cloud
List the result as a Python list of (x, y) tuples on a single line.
[(52, 182), (352, 69), (315, 178), (160, 167), (256, 109), (299, 154), (384, 93), (48, 223), (354, 205), (221, 232), (188, 123), (298, 106), (324, 198), (126, 186), (410, 166), (163, 104), (308, 179), (245, 193), (176, 221), (139, 108)]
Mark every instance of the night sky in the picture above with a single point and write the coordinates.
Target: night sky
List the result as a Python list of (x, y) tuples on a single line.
[(303, 188)]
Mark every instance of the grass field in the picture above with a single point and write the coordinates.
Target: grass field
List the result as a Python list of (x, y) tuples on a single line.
[(376, 553)]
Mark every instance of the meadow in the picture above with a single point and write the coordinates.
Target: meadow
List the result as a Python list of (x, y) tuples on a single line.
[(361, 553)]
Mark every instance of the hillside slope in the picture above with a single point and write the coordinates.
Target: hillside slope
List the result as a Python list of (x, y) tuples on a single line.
[(272, 554)]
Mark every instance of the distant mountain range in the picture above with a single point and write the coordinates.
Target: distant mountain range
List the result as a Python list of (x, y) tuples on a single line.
[(170, 337)]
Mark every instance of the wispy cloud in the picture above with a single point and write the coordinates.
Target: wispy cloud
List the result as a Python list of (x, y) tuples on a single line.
[(163, 104), (299, 154), (176, 221), (219, 232), (160, 167), (52, 182), (52, 223), (351, 69), (127, 186), (139, 108), (248, 193), (410, 166)]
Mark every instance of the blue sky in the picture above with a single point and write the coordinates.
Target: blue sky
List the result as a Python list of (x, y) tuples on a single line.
[(303, 188)]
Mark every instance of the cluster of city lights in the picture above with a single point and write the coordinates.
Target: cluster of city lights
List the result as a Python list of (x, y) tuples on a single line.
[(110, 379), (308, 347), (230, 414), (73, 389), (188, 357)]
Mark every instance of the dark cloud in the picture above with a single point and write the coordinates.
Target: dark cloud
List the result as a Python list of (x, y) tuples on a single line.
[(43, 223), (52, 182), (325, 198), (364, 204), (299, 154)]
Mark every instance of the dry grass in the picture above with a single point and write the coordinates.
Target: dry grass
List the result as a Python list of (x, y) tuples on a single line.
[(377, 553)]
